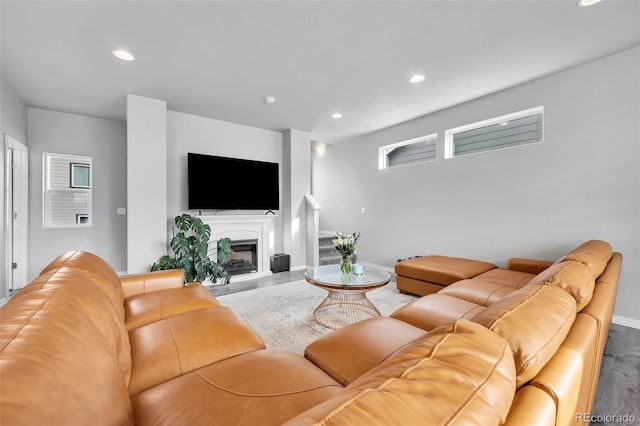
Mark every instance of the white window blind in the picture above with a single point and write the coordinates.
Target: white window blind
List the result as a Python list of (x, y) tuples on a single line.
[(511, 130), (68, 208), (412, 151), (64, 205)]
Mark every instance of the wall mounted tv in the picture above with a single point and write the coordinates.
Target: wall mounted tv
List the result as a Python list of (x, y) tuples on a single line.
[(223, 183)]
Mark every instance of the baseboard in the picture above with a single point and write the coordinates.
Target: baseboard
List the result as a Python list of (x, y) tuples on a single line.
[(627, 322), (251, 276), (389, 269), (299, 268)]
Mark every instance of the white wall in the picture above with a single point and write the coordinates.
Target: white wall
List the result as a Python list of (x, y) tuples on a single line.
[(535, 201), (13, 122), (190, 133), (104, 141), (14, 114), (147, 181)]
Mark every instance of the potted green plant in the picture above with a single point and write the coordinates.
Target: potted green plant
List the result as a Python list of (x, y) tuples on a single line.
[(190, 247)]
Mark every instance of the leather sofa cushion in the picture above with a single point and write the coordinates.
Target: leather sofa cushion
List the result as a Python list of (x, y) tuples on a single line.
[(573, 277), (146, 308), (534, 321), (97, 269), (506, 277), (97, 307), (477, 291), (458, 374), (174, 346), (255, 388), (148, 282), (443, 270), (604, 294), (350, 352), (593, 253), (57, 368), (433, 310)]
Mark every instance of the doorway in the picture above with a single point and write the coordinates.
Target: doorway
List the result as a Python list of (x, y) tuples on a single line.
[(16, 214)]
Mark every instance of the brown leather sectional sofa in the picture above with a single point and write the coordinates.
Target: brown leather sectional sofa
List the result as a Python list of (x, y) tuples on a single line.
[(81, 345), (554, 315)]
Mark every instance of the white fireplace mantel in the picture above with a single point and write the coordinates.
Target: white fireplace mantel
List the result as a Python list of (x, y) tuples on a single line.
[(245, 227)]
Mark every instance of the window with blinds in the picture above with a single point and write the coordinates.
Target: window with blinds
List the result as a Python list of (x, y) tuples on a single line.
[(66, 203), (507, 131), (412, 151)]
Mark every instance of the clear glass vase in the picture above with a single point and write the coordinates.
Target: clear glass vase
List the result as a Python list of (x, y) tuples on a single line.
[(345, 266)]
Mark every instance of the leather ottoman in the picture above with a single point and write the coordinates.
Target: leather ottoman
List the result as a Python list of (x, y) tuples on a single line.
[(430, 274)]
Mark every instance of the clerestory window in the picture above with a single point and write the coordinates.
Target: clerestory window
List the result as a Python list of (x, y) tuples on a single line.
[(411, 151), (507, 131)]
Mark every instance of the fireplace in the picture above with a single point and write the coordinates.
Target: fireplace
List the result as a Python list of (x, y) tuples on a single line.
[(244, 257), (245, 227)]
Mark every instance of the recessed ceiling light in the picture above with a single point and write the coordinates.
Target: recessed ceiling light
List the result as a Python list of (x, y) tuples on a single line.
[(504, 123), (123, 54), (270, 99), (416, 78), (336, 115), (585, 3)]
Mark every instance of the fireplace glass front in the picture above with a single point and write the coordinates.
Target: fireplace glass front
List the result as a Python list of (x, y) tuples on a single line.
[(244, 257)]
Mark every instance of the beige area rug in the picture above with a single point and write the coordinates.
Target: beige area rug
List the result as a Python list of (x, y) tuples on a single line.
[(282, 314)]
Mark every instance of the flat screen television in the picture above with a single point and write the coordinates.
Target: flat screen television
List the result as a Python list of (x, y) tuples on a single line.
[(224, 183)]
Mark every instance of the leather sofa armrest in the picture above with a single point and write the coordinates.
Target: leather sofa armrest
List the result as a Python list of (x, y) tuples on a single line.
[(530, 266), (532, 407), (352, 351), (151, 281)]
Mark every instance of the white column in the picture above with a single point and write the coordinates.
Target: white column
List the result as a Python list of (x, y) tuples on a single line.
[(296, 184), (146, 182)]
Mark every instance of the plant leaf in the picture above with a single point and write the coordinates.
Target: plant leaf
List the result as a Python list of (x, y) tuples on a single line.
[(224, 250), (190, 247), (183, 222)]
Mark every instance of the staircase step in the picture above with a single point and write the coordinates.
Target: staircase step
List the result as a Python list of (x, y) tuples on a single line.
[(336, 259), (328, 251), (330, 260), (328, 255), (326, 241)]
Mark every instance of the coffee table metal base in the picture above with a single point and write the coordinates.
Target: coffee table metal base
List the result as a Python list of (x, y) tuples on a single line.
[(343, 307)]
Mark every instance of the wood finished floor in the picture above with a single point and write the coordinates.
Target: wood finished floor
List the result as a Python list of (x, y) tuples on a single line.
[(619, 385), (274, 279)]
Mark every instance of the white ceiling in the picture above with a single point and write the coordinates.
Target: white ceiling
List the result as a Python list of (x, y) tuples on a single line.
[(220, 59)]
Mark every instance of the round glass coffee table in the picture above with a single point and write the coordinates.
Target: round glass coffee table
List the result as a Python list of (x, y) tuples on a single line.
[(346, 302)]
